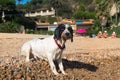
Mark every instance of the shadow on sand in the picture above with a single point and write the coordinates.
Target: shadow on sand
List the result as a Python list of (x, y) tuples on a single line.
[(76, 64)]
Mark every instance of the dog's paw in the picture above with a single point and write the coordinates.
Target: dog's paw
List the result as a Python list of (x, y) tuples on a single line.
[(64, 73), (27, 60), (56, 73)]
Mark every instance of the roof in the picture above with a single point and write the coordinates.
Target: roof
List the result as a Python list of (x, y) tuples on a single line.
[(42, 24), (84, 22), (68, 21)]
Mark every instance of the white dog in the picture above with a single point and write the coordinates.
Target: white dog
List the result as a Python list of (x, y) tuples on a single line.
[(50, 48)]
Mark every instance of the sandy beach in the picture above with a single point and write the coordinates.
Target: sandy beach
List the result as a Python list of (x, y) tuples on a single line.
[(84, 59)]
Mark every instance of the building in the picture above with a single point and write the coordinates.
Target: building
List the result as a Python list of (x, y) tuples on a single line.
[(68, 21), (83, 24), (46, 26), (40, 12), (52, 27)]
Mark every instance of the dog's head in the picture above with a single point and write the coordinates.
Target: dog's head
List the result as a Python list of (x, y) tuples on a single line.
[(64, 31)]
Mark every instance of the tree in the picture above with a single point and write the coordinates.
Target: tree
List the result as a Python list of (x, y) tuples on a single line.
[(56, 4), (7, 4), (114, 11), (64, 8), (82, 13), (110, 8)]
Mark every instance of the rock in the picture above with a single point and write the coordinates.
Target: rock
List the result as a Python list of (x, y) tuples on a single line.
[(28, 76), (18, 76)]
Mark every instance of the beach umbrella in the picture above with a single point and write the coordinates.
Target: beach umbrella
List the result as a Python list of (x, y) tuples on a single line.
[(81, 31)]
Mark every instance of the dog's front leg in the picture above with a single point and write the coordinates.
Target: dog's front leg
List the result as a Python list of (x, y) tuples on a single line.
[(52, 66), (27, 57), (60, 64)]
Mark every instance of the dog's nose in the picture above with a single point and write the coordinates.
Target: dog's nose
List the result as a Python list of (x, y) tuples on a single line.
[(67, 34)]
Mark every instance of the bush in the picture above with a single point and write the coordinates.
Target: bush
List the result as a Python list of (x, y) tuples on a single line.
[(116, 29), (29, 31), (51, 20), (50, 32), (95, 28), (43, 32), (10, 27), (28, 23)]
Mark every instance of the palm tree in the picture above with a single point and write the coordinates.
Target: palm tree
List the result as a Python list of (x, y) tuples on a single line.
[(115, 10), (111, 9), (56, 4)]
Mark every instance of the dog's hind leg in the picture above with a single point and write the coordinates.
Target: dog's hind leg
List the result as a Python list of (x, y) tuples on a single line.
[(29, 54)]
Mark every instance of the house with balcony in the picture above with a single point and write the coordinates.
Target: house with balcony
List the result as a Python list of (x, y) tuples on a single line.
[(40, 12), (83, 24), (52, 27)]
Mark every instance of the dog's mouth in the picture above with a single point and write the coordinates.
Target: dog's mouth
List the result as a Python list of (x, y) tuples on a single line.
[(66, 37)]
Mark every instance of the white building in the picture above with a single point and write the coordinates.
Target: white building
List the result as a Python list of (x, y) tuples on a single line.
[(41, 12)]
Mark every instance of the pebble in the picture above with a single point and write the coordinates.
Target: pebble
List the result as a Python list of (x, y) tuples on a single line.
[(36, 70)]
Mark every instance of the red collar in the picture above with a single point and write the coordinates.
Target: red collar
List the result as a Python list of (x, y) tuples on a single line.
[(61, 47)]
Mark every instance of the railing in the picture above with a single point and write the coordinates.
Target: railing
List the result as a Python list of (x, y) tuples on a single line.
[(41, 13)]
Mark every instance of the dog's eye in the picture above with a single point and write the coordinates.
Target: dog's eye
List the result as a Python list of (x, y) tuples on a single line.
[(62, 29), (69, 28)]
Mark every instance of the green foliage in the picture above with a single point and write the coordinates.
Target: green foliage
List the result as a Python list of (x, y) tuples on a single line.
[(84, 15), (27, 22), (29, 31), (81, 7), (14, 25), (43, 19), (7, 4), (95, 28), (86, 2), (36, 4), (9, 27), (50, 32), (43, 32), (63, 8), (116, 29), (98, 1), (51, 20), (103, 4), (56, 3), (65, 13)]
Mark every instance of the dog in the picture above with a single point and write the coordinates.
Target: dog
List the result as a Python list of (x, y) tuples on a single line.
[(50, 48)]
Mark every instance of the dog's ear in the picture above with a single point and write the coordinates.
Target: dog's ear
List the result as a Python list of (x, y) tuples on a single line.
[(58, 32), (71, 32), (72, 39)]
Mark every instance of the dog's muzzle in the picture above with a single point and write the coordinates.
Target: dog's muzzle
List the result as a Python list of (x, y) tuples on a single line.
[(67, 35)]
